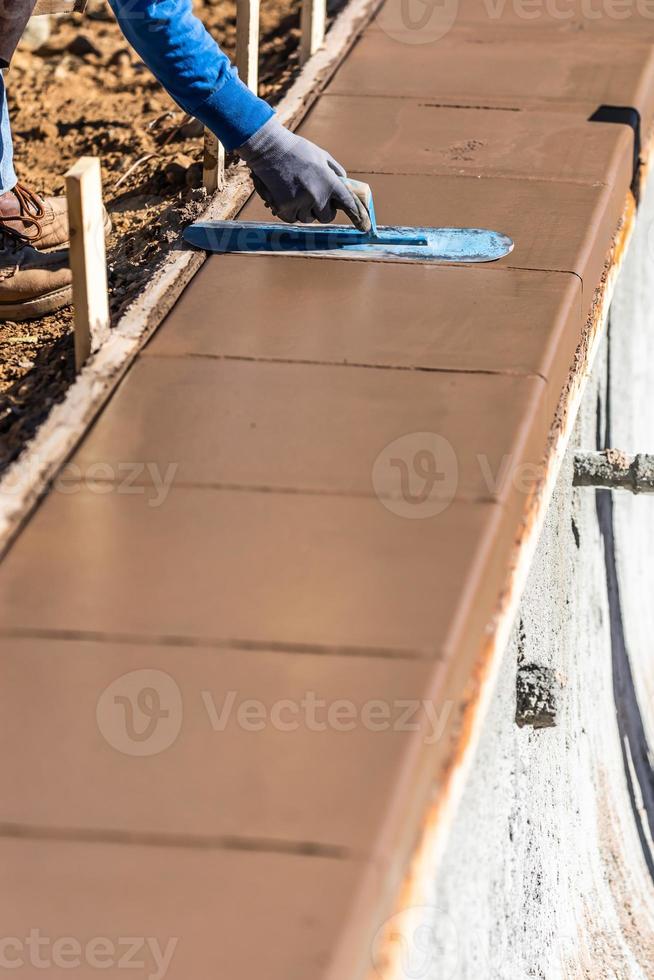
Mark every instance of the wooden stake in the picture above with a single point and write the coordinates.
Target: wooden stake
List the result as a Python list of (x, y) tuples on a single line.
[(247, 62), (247, 42), (213, 174), (58, 7), (87, 257), (312, 23)]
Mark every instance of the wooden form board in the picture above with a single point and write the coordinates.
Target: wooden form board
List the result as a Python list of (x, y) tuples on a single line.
[(58, 7)]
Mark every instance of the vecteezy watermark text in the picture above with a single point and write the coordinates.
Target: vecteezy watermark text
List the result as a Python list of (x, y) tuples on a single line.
[(149, 479), (41, 952), (143, 479), (141, 713), (427, 21), (317, 714)]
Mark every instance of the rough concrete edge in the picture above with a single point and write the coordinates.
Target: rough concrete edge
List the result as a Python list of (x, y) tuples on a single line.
[(432, 838), (29, 476)]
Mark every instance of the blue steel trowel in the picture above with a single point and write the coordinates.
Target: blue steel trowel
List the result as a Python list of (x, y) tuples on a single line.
[(344, 241)]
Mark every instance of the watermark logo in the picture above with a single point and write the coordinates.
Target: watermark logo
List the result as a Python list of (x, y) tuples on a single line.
[(427, 21), (140, 713), (150, 480), (37, 951), (418, 21), (421, 942), (315, 714), (416, 476)]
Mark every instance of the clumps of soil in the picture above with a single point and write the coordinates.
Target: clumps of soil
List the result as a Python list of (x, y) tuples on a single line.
[(84, 91), (27, 403)]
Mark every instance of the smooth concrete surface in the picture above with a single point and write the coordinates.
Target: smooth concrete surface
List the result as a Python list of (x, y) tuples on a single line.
[(169, 912), (478, 415), (288, 420), (240, 771), (499, 67), (408, 136), (556, 226), (373, 314), (289, 569)]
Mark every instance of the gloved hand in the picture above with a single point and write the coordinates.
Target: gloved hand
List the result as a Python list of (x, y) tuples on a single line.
[(298, 180)]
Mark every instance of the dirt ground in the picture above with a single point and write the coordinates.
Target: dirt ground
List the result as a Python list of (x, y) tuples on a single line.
[(86, 92)]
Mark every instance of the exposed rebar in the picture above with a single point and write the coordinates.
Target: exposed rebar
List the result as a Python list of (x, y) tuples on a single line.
[(615, 470)]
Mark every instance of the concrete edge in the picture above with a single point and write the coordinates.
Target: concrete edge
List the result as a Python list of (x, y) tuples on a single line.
[(432, 837)]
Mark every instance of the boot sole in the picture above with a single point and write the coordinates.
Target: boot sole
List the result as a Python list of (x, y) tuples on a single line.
[(32, 309)]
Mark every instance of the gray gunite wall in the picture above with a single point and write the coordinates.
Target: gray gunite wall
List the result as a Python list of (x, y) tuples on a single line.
[(549, 868)]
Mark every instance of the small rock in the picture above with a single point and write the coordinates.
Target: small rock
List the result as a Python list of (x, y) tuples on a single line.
[(176, 169), (120, 59), (81, 45), (46, 130), (191, 130), (194, 175), (98, 10)]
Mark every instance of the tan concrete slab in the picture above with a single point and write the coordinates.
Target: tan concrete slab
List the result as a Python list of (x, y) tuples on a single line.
[(260, 568), (488, 63), (389, 315), (189, 913), (618, 20), (281, 586), (254, 746), (563, 226), (410, 136), (310, 427)]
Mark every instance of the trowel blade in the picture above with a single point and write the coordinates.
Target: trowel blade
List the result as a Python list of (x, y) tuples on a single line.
[(460, 245)]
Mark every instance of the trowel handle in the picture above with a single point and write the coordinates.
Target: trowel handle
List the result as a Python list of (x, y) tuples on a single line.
[(363, 194)]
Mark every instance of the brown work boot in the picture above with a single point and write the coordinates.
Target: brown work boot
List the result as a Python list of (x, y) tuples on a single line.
[(32, 283), (42, 221)]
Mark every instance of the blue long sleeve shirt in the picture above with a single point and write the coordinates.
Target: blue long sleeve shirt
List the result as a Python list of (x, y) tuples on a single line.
[(183, 56)]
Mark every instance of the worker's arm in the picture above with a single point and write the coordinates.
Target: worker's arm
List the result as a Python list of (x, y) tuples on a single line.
[(181, 53), (296, 178)]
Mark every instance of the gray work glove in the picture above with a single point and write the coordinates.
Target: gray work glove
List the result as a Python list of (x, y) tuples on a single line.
[(298, 180)]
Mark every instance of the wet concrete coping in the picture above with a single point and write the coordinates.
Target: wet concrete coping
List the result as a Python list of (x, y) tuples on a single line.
[(246, 634)]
